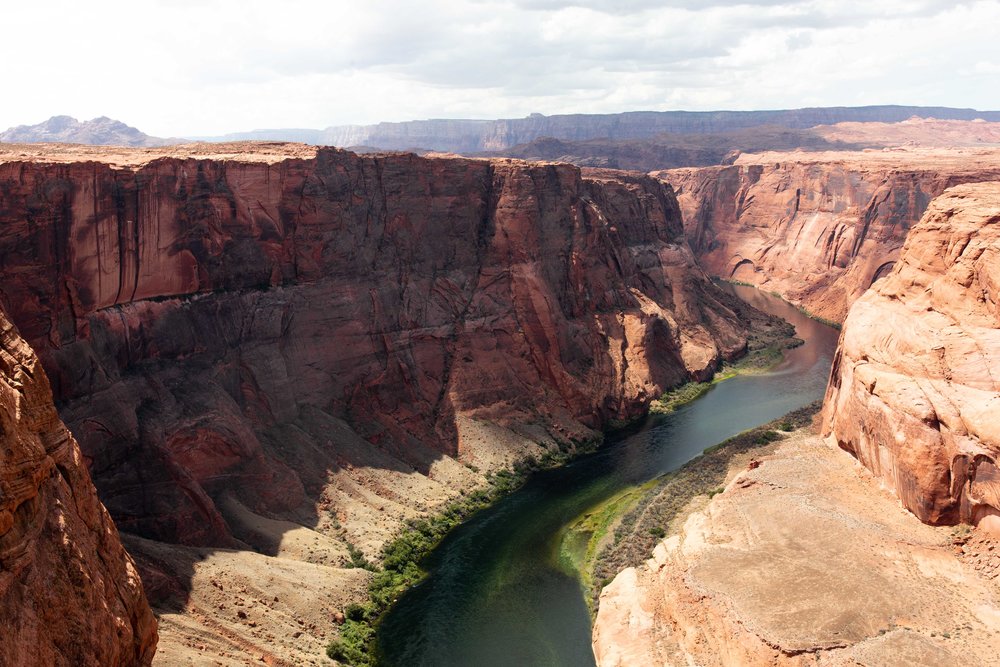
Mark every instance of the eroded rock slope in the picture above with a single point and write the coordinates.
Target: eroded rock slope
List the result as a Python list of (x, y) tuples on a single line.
[(69, 594), (819, 228), (915, 388), (246, 325)]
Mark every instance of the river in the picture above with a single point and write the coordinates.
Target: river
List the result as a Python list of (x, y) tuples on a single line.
[(498, 593)]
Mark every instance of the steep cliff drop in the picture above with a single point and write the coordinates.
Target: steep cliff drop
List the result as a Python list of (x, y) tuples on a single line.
[(809, 558), (915, 388), (274, 355), (818, 228), (69, 594)]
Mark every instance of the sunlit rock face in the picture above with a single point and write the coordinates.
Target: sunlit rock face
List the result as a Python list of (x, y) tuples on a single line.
[(253, 323), (818, 228), (915, 391), (69, 594)]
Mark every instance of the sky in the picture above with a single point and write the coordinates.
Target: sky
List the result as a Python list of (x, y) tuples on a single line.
[(182, 68)]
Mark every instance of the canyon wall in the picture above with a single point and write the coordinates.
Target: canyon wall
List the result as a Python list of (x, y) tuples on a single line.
[(254, 326), (69, 594), (915, 392), (818, 228)]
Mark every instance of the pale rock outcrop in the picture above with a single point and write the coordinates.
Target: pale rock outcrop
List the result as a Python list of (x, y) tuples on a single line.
[(915, 389), (803, 560)]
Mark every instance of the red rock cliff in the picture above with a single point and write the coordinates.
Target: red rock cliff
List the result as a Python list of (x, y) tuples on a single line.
[(69, 594), (819, 228), (915, 390), (208, 323)]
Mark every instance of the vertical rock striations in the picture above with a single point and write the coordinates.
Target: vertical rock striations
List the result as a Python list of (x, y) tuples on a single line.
[(915, 388), (246, 325), (69, 594)]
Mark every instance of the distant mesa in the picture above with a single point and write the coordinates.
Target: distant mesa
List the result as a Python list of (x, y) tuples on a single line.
[(101, 131), (638, 140), (500, 135)]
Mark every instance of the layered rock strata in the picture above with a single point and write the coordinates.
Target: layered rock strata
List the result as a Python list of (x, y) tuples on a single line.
[(915, 390), (246, 325), (69, 594), (819, 228), (290, 351)]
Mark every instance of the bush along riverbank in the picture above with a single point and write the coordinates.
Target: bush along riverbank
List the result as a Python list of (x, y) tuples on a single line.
[(632, 529), (400, 567), (769, 337)]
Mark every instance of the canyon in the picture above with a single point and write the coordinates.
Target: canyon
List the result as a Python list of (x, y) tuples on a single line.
[(273, 355), (817, 227), (912, 397)]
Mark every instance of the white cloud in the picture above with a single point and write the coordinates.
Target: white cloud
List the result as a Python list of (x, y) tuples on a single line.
[(186, 67)]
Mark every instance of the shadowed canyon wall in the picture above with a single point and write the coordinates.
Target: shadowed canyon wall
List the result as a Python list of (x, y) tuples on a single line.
[(818, 228), (69, 594), (248, 326), (915, 392)]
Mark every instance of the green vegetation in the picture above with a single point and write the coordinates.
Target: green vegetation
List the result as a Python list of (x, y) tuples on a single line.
[(679, 396), (358, 559), (657, 504), (401, 558), (822, 320), (583, 540)]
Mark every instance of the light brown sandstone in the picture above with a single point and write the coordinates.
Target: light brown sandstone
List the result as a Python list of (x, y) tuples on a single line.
[(915, 388), (803, 560)]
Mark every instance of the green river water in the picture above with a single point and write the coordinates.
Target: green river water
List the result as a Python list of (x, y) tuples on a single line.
[(498, 592)]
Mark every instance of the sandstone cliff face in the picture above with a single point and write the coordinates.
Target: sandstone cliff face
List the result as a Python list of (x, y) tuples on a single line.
[(819, 228), (252, 326), (914, 392), (69, 594)]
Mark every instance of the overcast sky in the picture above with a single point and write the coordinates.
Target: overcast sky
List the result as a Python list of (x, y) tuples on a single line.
[(198, 67)]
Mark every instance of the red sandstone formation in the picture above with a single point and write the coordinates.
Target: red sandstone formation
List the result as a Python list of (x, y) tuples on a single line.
[(915, 391), (819, 228), (69, 594), (212, 322)]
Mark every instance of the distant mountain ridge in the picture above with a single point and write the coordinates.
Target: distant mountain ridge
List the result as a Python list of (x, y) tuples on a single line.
[(520, 136), (465, 136), (101, 131)]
